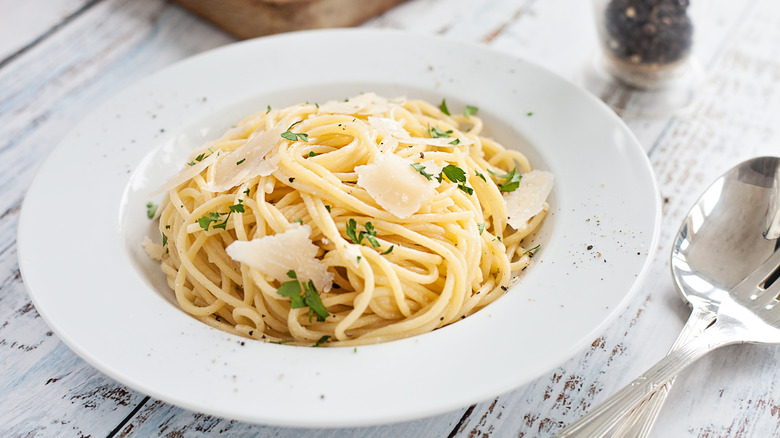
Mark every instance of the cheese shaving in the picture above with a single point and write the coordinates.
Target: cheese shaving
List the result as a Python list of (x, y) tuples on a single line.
[(280, 253), (529, 199), (395, 185)]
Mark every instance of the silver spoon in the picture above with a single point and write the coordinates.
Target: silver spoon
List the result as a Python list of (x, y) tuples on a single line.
[(708, 244), (725, 262)]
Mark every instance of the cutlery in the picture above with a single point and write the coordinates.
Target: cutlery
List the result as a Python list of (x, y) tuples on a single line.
[(731, 230)]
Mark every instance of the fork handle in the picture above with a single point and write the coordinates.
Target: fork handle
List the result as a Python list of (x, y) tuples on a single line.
[(601, 419), (638, 422)]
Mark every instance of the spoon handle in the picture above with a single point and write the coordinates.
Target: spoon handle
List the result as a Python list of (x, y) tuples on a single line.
[(638, 422), (603, 418)]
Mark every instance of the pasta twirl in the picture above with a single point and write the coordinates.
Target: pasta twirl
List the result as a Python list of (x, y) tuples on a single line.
[(348, 223)]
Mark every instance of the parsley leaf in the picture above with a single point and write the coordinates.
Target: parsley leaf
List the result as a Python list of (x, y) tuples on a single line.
[(312, 154), (531, 252), (481, 227), (352, 232), (436, 132), (454, 173), (164, 239), (470, 111), (240, 161), (268, 110), (420, 168), (299, 220), (205, 221), (511, 180), (389, 250), (237, 208), (443, 107), (151, 209), (303, 296), (480, 175), (322, 340), (312, 299), (370, 234), (293, 136), (466, 188), (455, 142)]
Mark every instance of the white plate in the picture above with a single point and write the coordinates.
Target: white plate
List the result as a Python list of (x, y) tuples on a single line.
[(84, 218)]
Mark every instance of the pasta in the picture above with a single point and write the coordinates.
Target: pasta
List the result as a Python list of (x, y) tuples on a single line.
[(348, 223)]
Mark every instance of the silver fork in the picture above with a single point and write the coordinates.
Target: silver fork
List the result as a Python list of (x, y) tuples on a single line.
[(749, 312)]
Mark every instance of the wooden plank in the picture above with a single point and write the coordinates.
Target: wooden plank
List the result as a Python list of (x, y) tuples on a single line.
[(46, 389), (22, 23)]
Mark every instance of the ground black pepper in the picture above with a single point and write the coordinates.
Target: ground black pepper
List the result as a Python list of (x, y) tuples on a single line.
[(644, 32)]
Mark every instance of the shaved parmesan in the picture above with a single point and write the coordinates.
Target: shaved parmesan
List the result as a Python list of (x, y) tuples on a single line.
[(387, 127), (529, 199), (277, 254), (366, 103), (186, 174), (253, 158), (153, 250), (395, 185)]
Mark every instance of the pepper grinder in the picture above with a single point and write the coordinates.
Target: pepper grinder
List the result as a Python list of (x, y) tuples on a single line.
[(645, 63)]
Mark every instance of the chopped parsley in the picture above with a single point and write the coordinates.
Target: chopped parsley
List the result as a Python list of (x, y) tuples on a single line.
[(443, 107), (436, 132), (327, 207), (457, 175), (357, 237), (455, 142), (215, 216), (303, 295), (480, 175), (164, 239), (511, 180), (151, 209), (420, 168), (293, 136), (470, 111), (531, 252), (240, 161), (299, 220), (322, 340), (389, 250), (311, 154), (268, 110), (481, 227)]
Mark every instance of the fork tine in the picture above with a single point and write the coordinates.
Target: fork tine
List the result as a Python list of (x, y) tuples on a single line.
[(750, 289)]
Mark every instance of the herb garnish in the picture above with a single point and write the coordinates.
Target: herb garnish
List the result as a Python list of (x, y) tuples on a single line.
[(420, 168), (151, 209), (531, 252), (443, 107), (293, 136), (312, 154), (436, 132), (303, 295), (457, 175), (511, 180), (216, 216), (389, 250), (480, 175), (481, 227), (322, 340), (240, 161), (470, 111), (369, 234)]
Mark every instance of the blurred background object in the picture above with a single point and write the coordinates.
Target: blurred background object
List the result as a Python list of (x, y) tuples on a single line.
[(647, 47), (253, 18)]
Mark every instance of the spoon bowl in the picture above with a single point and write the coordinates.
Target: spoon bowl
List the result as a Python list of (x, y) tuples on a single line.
[(722, 239)]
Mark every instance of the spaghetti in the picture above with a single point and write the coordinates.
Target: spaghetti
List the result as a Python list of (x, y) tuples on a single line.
[(349, 223)]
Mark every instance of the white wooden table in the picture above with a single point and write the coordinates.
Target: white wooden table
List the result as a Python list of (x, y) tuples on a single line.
[(60, 58)]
